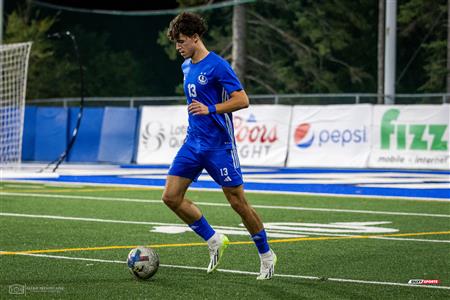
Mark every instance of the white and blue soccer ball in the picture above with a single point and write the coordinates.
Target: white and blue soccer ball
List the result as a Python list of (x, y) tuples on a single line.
[(143, 262)]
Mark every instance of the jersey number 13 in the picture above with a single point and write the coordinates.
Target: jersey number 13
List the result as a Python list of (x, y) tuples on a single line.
[(191, 90)]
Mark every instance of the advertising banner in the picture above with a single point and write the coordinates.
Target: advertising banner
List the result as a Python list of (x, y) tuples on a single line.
[(410, 136), (162, 132), (330, 136), (261, 133)]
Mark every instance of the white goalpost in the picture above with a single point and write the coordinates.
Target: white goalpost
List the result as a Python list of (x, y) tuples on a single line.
[(13, 83)]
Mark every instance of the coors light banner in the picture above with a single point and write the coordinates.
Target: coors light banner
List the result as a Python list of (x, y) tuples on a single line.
[(261, 133)]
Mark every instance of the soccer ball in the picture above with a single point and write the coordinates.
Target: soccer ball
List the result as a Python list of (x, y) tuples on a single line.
[(143, 262)]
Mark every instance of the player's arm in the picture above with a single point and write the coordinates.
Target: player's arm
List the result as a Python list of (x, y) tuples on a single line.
[(237, 101)]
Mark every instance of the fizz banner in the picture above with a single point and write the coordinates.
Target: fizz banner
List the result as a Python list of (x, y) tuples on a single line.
[(410, 136)]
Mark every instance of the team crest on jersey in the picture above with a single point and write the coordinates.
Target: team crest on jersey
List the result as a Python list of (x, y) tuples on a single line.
[(202, 79)]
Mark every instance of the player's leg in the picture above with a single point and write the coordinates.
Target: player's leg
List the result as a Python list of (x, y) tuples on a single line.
[(254, 225), (223, 166), (173, 197), (185, 169), (187, 211), (237, 200)]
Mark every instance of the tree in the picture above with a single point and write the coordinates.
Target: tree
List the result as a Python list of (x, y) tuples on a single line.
[(53, 67), (42, 64), (423, 69), (297, 46), (380, 51), (448, 47), (239, 59), (304, 46), (107, 72), (307, 46)]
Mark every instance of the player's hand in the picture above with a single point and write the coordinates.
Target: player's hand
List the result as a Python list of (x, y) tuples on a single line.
[(197, 108)]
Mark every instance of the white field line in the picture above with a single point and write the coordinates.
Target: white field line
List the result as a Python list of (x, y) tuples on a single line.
[(168, 224), (246, 272), (331, 175), (82, 219), (21, 186), (416, 186), (227, 205), (327, 178), (253, 191)]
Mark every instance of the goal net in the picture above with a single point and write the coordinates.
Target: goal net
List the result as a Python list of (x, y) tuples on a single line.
[(13, 82)]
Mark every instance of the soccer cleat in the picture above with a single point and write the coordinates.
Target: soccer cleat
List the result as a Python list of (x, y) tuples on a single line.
[(267, 267), (216, 252)]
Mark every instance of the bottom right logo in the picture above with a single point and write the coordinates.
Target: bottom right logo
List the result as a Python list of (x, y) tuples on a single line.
[(424, 281)]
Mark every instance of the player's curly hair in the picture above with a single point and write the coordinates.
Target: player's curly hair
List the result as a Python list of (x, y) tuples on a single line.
[(188, 24)]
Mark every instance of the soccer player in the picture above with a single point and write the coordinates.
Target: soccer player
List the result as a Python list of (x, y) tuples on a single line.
[(213, 91)]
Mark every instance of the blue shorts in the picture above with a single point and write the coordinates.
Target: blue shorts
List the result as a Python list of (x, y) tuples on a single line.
[(221, 164)]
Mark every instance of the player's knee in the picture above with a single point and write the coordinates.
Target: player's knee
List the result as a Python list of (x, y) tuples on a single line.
[(171, 200)]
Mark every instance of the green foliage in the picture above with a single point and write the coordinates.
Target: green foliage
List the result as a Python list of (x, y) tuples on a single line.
[(423, 31), (298, 46), (187, 3), (42, 62), (107, 72), (303, 46), (293, 46), (168, 46), (53, 67), (308, 46), (435, 66)]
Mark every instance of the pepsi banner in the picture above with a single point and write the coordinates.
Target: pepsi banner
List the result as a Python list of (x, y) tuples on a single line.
[(261, 133), (330, 136), (162, 132), (410, 136)]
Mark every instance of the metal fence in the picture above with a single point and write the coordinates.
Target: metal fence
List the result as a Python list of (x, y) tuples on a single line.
[(290, 99)]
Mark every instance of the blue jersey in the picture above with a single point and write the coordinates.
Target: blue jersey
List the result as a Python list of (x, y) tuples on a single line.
[(210, 81)]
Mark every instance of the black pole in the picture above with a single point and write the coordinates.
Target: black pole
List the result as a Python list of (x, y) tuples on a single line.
[(75, 131)]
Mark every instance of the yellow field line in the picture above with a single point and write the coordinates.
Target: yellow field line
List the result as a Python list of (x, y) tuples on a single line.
[(289, 240), (325, 238)]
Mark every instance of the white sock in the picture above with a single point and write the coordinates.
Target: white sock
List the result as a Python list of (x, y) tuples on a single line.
[(214, 240), (266, 256)]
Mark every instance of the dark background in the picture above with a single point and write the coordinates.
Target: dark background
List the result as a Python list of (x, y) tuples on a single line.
[(126, 33), (126, 56), (117, 4)]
